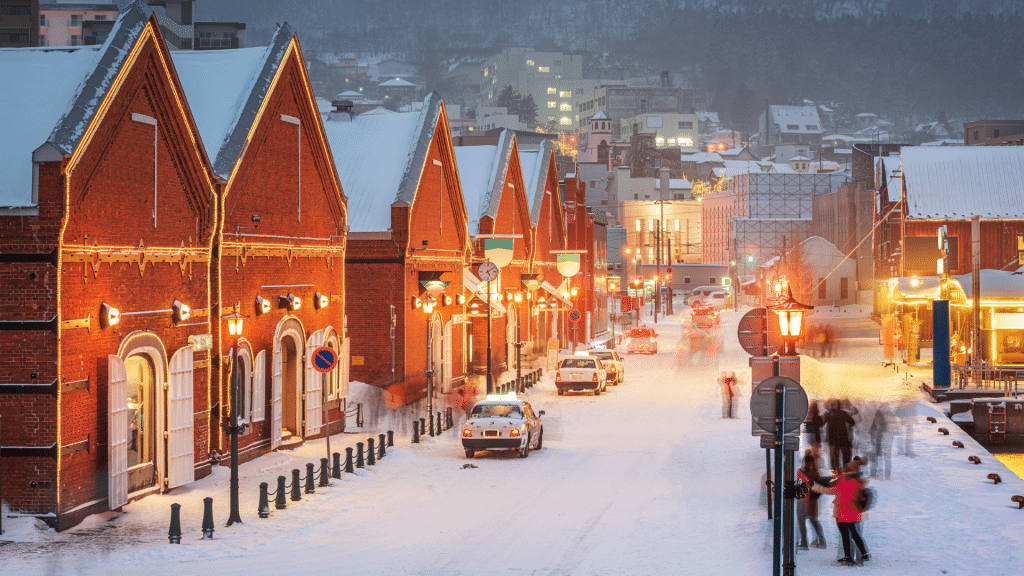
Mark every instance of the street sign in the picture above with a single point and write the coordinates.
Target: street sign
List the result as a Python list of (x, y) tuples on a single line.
[(324, 359), (625, 304), (791, 443), (762, 404), (488, 271), (574, 315), (752, 335)]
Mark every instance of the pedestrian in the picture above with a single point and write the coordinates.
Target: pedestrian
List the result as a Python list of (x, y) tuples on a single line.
[(881, 442), (840, 445), (846, 511), (807, 507), (813, 424), (727, 380)]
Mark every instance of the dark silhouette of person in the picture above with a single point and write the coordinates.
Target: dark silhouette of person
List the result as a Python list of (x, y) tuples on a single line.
[(840, 445)]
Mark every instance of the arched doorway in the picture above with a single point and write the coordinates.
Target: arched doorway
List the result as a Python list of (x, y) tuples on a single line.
[(511, 332), (286, 402), (140, 388)]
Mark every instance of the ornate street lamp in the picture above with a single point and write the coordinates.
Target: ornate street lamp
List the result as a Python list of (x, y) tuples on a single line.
[(435, 295), (235, 320), (791, 314)]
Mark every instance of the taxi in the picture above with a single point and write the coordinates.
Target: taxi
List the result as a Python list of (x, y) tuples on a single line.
[(642, 340), (502, 422), (581, 371), (615, 373)]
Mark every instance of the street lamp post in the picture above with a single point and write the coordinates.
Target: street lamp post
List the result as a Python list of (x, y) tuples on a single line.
[(235, 319), (790, 313)]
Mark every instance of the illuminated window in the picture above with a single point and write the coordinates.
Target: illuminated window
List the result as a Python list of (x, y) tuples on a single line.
[(565, 94), (487, 72), (686, 141), (638, 225), (565, 107), (551, 90), (552, 104), (551, 118), (659, 141), (565, 120), (543, 69), (677, 225), (650, 225), (490, 95), (529, 62), (671, 141), (650, 253)]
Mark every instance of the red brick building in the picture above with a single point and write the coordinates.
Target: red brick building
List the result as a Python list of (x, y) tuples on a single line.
[(498, 210), (408, 231), (548, 317), (280, 244), (105, 234)]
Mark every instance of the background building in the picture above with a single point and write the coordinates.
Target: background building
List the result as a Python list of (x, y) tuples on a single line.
[(19, 23)]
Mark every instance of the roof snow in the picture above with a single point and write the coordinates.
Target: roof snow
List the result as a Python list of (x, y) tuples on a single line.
[(995, 284), (350, 95), (675, 184), (47, 82), (959, 182), (800, 116), (396, 82), (478, 170), (600, 115), (377, 111)]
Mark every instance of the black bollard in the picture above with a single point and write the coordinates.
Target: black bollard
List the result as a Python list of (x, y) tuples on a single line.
[(415, 432), (391, 438), (336, 469), (296, 485), (310, 485), (371, 454), (423, 427), (264, 509), (451, 418), (381, 452), (207, 518), (439, 429), (431, 417), (174, 533), (281, 498), (359, 455), (348, 461), (324, 466)]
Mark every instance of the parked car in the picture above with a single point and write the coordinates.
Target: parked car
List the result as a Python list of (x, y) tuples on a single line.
[(503, 422), (642, 339), (719, 298), (612, 364), (705, 315), (581, 372), (700, 292)]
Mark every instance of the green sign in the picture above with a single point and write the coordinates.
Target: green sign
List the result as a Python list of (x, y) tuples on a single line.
[(201, 342)]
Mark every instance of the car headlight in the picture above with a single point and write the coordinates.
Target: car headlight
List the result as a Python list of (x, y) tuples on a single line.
[(467, 433), (514, 432)]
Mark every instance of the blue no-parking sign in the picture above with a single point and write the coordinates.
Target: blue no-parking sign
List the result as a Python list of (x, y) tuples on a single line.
[(324, 359), (574, 315)]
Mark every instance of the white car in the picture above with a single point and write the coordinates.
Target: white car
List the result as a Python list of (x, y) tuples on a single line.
[(700, 292), (719, 298), (581, 372), (612, 364), (502, 422)]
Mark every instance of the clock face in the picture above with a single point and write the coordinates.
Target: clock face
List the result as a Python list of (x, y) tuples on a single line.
[(488, 271)]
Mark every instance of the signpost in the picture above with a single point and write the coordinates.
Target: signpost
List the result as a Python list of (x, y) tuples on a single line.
[(324, 360), (757, 334), (575, 317), (488, 271)]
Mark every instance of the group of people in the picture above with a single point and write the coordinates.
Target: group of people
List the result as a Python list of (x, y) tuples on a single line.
[(843, 429), (821, 340)]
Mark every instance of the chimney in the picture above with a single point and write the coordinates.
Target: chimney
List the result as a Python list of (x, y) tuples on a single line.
[(666, 82), (342, 111)]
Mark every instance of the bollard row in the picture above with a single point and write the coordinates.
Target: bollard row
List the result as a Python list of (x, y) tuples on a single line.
[(520, 383), (437, 425)]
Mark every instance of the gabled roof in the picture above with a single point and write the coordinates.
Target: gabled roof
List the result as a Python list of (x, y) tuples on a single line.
[(53, 95), (535, 164), (800, 116), (599, 116), (396, 82), (380, 158), (225, 91), (959, 182), (482, 173)]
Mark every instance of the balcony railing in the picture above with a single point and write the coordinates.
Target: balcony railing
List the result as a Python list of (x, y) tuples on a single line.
[(1005, 378)]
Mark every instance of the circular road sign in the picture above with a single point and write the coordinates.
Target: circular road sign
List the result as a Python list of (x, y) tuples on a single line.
[(488, 271), (762, 404), (324, 359), (752, 334), (574, 315)]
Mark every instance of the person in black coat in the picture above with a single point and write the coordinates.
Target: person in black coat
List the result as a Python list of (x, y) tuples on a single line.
[(813, 424), (840, 445)]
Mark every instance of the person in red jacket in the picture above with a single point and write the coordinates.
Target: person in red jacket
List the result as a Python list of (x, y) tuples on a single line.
[(847, 513)]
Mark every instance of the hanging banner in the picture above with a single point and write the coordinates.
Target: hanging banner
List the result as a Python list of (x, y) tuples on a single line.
[(568, 264), (498, 250)]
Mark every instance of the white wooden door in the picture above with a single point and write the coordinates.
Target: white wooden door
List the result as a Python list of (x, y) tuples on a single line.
[(510, 338), (117, 431), (180, 436), (259, 387), (446, 359), (314, 386), (344, 367), (275, 399)]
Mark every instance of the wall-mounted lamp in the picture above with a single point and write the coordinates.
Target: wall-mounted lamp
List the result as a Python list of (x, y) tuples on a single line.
[(428, 304), (574, 291), (291, 302), (446, 300), (180, 311), (109, 316), (461, 299), (320, 301), (262, 305)]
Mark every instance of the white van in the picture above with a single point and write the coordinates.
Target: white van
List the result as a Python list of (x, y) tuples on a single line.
[(700, 293)]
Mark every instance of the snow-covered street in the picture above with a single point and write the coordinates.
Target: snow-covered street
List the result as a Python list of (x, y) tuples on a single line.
[(646, 479)]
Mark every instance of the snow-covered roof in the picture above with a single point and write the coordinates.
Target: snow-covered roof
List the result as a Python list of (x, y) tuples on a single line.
[(703, 116), (534, 164), (700, 157), (734, 168), (52, 96), (675, 184), (225, 89), (396, 82), (995, 284), (600, 115), (323, 105), (377, 111), (843, 137), (960, 182), (379, 159), (867, 115), (731, 152), (799, 116), (482, 172), (350, 95), (799, 158), (842, 151)]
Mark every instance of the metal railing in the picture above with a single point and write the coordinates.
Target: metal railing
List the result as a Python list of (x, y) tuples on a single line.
[(1005, 378)]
